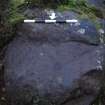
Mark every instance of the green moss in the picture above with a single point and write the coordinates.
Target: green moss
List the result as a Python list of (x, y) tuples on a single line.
[(80, 6), (16, 3), (16, 18), (14, 15), (84, 10)]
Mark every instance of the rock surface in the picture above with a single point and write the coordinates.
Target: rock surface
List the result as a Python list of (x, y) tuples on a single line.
[(55, 62), (98, 3)]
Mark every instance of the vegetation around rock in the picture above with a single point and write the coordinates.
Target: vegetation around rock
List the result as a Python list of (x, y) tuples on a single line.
[(4, 26), (79, 6)]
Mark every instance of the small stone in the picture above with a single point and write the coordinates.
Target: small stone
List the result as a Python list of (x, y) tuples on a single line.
[(99, 67), (3, 98), (98, 61), (81, 31), (101, 31), (77, 24)]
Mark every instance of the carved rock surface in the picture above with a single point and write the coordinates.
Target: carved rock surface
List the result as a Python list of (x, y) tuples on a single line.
[(55, 62)]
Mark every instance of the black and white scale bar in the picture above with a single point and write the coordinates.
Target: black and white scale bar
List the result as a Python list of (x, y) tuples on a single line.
[(51, 21)]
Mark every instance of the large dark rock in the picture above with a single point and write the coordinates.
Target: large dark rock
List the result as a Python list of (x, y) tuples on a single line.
[(54, 64)]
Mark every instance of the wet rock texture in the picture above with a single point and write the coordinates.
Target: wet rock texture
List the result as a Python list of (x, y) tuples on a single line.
[(53, 64)]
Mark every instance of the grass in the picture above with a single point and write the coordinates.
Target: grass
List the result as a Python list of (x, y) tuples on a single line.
[(82, 7), (84, 10), (14, 15)]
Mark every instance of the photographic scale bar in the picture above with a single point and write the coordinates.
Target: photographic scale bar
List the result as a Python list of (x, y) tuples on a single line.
[(51, 21)]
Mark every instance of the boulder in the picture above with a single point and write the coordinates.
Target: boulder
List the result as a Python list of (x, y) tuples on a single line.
[(54, 63)]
